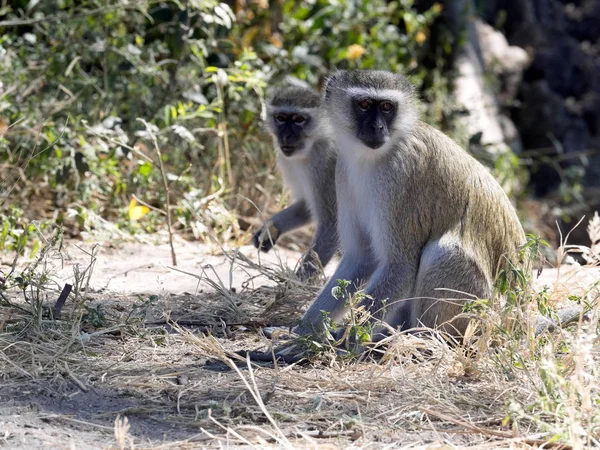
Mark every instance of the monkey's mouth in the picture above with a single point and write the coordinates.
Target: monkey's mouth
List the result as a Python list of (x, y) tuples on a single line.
[(288, 150), (375, 143)]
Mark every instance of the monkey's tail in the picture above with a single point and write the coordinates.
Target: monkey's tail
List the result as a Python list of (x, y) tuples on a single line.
[(565, 316)]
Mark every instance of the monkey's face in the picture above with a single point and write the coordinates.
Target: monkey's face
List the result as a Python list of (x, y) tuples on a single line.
[(373, 118), (370, 111), (292, 131)]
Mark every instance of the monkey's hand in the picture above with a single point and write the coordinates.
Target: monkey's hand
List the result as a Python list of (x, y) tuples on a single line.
[(265, 238)]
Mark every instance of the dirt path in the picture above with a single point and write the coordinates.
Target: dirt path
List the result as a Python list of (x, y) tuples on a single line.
[(64, 413), (142, 268), (66, 391)]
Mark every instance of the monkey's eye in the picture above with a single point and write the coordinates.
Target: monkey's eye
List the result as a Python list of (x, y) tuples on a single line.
[(298, 119), (386, 106), (364, 104), (280, 118)]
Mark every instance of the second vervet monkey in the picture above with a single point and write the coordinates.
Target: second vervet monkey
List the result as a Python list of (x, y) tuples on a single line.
[(306, 157)]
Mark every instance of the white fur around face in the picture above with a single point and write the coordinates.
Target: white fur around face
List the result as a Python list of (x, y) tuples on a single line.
[(345, 135), (293, 176), (379, 94), (297, 177)]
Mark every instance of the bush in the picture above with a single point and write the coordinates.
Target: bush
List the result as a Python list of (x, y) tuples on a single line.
[(78, 75)]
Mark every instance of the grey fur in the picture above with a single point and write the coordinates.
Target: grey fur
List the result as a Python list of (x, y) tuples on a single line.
[(418, 215), (297, 97)]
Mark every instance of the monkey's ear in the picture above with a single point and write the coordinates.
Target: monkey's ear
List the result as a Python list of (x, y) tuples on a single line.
[(330, 83), (270, 94)]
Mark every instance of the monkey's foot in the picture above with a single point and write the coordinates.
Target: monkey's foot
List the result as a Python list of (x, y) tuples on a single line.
[(310, 267)]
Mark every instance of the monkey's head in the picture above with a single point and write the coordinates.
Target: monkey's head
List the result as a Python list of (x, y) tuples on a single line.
[(371, 108), (293, 120)]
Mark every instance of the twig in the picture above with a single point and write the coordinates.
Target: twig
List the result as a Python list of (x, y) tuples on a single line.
[(223, 129), (71, 376), (272, 358), (352, 434), (62, 298), (153, 208), (119, 143), (166, 186), (223, 143), (81, 422)]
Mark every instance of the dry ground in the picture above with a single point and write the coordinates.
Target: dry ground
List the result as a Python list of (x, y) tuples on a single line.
[(71, 389)]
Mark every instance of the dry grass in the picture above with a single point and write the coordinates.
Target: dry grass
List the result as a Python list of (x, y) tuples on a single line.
[(128, 376)]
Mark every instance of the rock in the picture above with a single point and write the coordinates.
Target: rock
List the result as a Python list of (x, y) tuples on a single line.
[(497, 54), (487, 51)]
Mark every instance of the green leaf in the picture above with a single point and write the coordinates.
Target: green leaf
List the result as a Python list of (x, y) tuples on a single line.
[(4, 234), (35, 248), (145, 169)]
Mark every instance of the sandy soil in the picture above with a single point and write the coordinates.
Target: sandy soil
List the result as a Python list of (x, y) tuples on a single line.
[(58, 413), (68, 393)]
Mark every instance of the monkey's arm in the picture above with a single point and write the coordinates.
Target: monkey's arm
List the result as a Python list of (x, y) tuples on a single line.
[(290, 218), (352, 268), (324, 245)]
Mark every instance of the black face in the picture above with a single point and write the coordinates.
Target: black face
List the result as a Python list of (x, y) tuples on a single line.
[(374, 118), (290, 129)]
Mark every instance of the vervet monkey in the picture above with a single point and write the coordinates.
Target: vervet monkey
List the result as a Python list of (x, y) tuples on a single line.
[(306, 157), (419, 219)]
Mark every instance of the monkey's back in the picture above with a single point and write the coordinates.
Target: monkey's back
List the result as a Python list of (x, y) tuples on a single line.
[(467, 200)]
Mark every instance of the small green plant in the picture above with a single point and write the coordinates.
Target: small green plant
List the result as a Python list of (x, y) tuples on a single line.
[(35, 278), (476, 306), (94, 316), (352, 336), (18, 234), (359, 328), (513, 280), (139, 309)]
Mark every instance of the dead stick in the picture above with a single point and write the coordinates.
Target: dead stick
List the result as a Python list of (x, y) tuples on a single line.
[(76, 381), (223, 127), (62, 298), (166, 186), (352, 434)]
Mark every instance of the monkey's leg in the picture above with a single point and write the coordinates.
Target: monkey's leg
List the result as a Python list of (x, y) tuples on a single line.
[(324, 246), (446, 270), (390, 288), (290, 218), (352, 268)]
